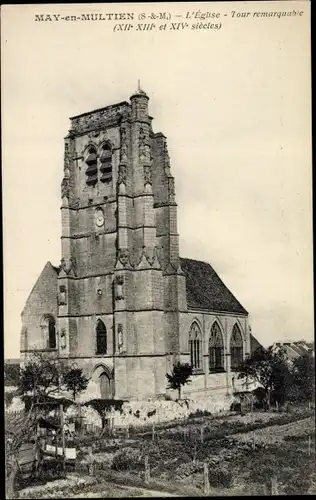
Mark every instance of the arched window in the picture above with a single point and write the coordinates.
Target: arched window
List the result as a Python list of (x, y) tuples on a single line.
[(101, 338), (106, 163), (92, 167), (236, 348), (48, 326), (195, 347), (51, 333), (216, 349), (105, 386)]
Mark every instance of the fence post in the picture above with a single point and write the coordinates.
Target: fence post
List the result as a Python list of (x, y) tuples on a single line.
[(274, 486), (81, 431), (61, 412), (202, 434), (309, 444), (127, 431), (195, 448), (206, 480), (153, 431), (90, 451), (147, 469)]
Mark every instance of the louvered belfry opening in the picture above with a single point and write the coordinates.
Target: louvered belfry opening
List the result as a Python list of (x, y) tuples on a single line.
[(106, 163), (92, 167)]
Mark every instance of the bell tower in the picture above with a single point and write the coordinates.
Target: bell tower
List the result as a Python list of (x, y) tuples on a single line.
[(121, 290)]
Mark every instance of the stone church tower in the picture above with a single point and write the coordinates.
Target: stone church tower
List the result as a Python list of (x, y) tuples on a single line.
[(122, 310), (121, 288)]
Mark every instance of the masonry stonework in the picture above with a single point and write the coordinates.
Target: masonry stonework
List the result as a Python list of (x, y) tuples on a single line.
[(122, 304)]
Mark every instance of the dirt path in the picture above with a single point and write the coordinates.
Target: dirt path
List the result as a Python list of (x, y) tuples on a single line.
[(110, 490)]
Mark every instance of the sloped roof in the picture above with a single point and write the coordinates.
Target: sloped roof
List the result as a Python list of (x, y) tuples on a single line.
[(205, 289), (254, 344), (56, 268), (310, 345), (299, 349), (295, 350), (292, 352)]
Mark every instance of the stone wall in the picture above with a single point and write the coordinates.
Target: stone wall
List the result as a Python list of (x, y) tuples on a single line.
[(41, 302)]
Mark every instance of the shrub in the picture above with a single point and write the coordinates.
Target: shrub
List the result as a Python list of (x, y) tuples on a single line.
[(189, 468), (9, 397), (219, 477), (199, 413), (11, 374), (298, 484), (127, 459)]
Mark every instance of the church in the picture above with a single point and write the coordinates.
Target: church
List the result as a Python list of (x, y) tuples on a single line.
[(123, 305)]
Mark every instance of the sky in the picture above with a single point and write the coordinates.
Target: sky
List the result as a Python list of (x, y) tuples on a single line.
[(235, 106)]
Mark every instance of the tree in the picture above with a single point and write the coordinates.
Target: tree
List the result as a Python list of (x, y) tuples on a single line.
[(74, 381), (11, 373), (179, 376), (303, 372), (270, 368), (40, 377), (18, 430)]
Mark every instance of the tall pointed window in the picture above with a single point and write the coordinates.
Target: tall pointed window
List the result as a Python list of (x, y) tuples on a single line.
[(51, 333), (92, 167), (106, 163), (101, 347), (195, 347), (236, 348), (48, 326), (216, 349)]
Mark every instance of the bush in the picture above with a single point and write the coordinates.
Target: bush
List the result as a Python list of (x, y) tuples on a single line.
[(219, 477), (189, 468), (199, 413), (127, 459), (11, 374), (9, 397), (298, 484)]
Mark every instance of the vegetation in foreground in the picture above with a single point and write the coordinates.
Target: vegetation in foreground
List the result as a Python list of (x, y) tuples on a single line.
[(177, 455), (236, 463)]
